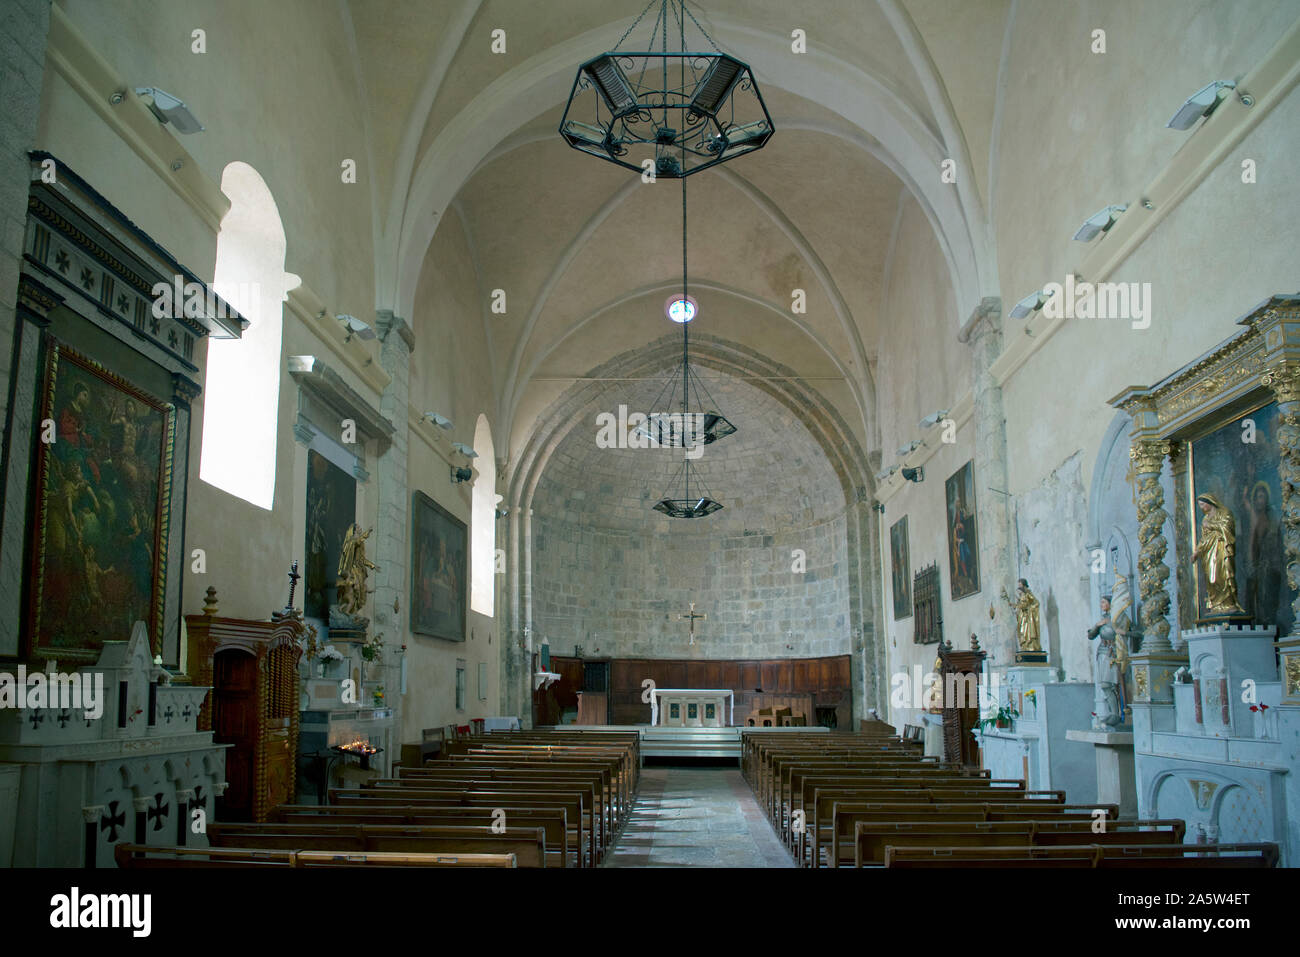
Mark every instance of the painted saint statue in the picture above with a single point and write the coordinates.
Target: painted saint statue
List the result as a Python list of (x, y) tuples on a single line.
[(1026, 606), (353, 568), (1217, 553)]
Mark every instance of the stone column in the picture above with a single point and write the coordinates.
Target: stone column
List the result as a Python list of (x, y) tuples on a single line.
[(24, 30), (392, 550), (983, 332)]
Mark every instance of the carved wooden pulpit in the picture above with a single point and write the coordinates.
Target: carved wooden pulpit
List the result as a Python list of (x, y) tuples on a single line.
[(961, 711), (252, 667)]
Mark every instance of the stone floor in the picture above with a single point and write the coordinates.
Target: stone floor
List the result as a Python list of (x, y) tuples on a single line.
[(697, 817)]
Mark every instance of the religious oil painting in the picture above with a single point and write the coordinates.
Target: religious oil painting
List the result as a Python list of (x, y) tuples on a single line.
[(900, 564), (103, 483), (331, 510), (1236, 466), (439, 546), (963, 536)]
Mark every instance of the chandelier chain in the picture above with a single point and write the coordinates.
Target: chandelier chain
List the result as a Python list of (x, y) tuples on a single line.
[(636, 21)]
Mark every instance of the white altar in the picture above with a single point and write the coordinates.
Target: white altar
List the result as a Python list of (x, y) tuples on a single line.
[(692, 707)]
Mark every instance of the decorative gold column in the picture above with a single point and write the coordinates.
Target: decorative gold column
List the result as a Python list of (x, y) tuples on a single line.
[(1283, 380), (1153, 574)]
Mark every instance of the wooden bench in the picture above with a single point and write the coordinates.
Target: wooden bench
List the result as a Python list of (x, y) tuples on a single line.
[(139, 856), (527, 844), (1088, 855), (560, 850)]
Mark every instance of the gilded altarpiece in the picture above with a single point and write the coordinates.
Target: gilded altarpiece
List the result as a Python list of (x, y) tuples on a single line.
[(1227, 425)]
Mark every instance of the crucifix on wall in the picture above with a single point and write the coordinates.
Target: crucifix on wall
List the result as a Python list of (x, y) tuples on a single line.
[(692, 617)]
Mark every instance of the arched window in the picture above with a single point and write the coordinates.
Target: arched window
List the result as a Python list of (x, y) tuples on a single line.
[(241, 396), (483, 541)]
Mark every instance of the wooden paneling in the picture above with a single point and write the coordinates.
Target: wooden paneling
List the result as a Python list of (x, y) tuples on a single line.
[(825, 680)]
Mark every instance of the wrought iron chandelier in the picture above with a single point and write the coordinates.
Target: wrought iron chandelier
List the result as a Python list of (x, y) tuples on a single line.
[(688, 430), (675, 112)]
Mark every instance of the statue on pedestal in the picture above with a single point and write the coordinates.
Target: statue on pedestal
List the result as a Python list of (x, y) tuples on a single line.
[(1106, 675), (353, 568), (1027, 627), (1217, 553)]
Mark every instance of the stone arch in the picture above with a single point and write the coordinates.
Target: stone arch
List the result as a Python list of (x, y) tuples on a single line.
[(829, 431)]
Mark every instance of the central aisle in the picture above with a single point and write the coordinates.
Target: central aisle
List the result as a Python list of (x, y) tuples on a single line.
[(697, 817)]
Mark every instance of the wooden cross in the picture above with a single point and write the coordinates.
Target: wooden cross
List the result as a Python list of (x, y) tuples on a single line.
[(293, 583), (692, 617)]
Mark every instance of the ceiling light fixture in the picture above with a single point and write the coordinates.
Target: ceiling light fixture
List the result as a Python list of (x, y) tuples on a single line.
[(169, 109), (1099, 222), (672, 111), (1031, 303), (1202, 103)]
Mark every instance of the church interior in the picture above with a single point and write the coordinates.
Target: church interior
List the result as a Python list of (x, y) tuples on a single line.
[(610, 433)]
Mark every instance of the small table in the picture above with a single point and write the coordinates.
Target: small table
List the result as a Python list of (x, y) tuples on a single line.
[(685, 699)]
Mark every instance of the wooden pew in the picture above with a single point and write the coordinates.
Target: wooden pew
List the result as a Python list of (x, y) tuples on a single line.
[(527, 844), (139, 856), (581, 820), (1088, 855), (560, 850), (871, 838)]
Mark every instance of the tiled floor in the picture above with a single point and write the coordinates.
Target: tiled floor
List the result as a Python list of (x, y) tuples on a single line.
[(697, 817)]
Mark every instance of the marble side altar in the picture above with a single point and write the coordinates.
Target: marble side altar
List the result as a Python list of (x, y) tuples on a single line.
[(1037, 748), (72, 785)]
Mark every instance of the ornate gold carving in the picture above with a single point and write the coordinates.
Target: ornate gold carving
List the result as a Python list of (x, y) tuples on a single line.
[(1293, 676), (1140, 682), (1149, 456), (1202, 793), (1284, 381), (1211, 387)]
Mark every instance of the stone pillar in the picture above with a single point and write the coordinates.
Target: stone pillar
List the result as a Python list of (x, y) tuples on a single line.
[(983, 332), (24, 30), (392, 551)]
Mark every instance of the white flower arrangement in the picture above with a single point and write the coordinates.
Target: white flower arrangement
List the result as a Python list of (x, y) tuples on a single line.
[(330, 653)]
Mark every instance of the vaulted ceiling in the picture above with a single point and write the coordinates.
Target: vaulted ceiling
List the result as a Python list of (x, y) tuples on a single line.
[(887, 90)]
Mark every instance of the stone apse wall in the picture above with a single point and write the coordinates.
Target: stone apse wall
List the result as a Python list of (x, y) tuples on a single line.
[(770, 570)]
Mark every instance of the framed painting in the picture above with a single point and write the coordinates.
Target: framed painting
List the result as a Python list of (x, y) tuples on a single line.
[(102, 500), (439, 550), (1237, 463), (963, 535), (900, 565), (331, 510), (928, 627)]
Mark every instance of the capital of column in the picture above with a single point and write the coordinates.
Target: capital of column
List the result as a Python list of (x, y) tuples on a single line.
[(387, 323), (986, 317), (1149, 456)]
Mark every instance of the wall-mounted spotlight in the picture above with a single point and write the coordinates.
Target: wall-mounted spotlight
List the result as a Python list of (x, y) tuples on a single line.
[(1031, 303), (878, 507), (502, 511), (908, 449), (884, 474), (1099, 222), (1204, 102), (464, 450), (356, 327), (914, 475), (441, 421), (461, 474), (168, 109), (934, 418)]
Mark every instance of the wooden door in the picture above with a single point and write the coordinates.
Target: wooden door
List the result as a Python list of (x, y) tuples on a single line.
[(234, 721)]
